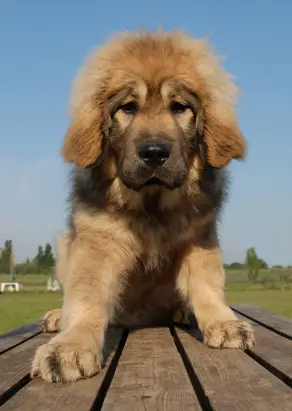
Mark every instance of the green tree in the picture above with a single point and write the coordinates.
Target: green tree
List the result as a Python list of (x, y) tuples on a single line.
[(49, 259), (6, 257), (252, 264), (44, 260), (236, 266), (262, 264), (27, 267), (39, 258)]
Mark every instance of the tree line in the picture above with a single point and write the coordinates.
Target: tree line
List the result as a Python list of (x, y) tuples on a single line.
[(43, 262), (253, 264)]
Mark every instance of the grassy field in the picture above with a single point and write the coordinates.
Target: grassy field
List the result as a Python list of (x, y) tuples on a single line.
[(33, 300), (28, 304), (274, 300), (21, 308)]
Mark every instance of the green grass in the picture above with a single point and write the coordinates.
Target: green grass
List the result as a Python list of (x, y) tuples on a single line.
[(30, 282), (33, 300), (23, 307), (274, 300), (28, 304)]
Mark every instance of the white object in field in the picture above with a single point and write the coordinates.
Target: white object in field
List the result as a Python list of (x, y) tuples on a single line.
[(10, 287), (53, 285)]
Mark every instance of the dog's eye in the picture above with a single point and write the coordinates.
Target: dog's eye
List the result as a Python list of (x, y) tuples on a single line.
[(178, 108), (130, 108)]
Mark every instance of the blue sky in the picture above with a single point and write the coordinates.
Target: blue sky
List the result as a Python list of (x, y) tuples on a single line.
[(42, 45)]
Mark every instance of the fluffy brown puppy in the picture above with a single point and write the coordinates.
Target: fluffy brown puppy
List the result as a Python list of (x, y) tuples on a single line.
[(154, 125)]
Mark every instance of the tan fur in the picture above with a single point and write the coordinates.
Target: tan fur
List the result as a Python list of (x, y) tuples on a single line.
[(137, 257), (51, 321), (194, 63), (61, 256), (82, 144)]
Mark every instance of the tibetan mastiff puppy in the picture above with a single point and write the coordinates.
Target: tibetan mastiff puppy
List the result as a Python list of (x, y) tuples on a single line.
[(153, 128)]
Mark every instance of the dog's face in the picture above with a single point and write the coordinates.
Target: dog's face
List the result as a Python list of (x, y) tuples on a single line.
[(149, 106), (153, 133)]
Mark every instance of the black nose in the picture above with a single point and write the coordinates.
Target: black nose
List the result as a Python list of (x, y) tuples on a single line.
[(154, 154)]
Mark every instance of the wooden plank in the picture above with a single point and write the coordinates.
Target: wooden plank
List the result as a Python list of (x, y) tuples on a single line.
[(275, 322), (19, 335), (150, 375), (273, 351), (43, 396), (15, 363), (230, 379)]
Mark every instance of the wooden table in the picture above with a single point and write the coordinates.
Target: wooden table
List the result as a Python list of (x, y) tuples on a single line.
[(160, 369)]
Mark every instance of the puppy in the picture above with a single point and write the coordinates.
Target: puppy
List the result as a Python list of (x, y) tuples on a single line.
[(153, 128)]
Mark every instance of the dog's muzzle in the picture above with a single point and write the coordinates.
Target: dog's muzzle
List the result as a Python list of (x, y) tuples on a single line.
[(154, 154)]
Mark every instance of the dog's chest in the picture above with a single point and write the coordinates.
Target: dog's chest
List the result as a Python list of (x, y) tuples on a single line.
[(162, 236), (149, 295)]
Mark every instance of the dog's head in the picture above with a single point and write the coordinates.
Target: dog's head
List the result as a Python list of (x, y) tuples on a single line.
[(148, 105)]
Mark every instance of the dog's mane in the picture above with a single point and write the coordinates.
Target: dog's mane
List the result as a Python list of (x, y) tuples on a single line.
[(194, 62), (90, 191)]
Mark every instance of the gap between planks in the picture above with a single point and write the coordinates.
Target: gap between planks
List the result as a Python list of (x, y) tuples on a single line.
[(230, 379), (44, 396), (106, 384), (272, 351), (15, 366), (273, 322), (16, 337), (150, 375)]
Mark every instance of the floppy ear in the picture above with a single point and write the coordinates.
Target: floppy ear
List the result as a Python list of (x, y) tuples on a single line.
[(83, 141), (224, 141)]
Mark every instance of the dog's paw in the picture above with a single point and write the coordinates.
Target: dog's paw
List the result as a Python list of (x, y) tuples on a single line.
[(51, 321), (65, 362), (229, 334)]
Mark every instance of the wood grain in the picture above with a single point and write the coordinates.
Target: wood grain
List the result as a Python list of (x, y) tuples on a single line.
[(42, 396), (231, 379), (158, 371), (150, 375), (276, 322), (15, 364), (19, 335), (274, 350)]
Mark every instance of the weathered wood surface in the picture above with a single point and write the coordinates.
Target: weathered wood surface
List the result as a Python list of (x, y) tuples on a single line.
[(273, 321), (39, 395), (15, 364), (151, 375), (160, 369), (230, 379), (273, 351), (21, 334)]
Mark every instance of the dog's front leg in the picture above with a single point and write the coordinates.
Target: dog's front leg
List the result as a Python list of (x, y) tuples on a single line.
[(201, 284), (97, 265)]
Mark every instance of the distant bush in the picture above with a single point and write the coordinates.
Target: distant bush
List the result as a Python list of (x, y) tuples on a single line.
[(234, 266), (272, 278)]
